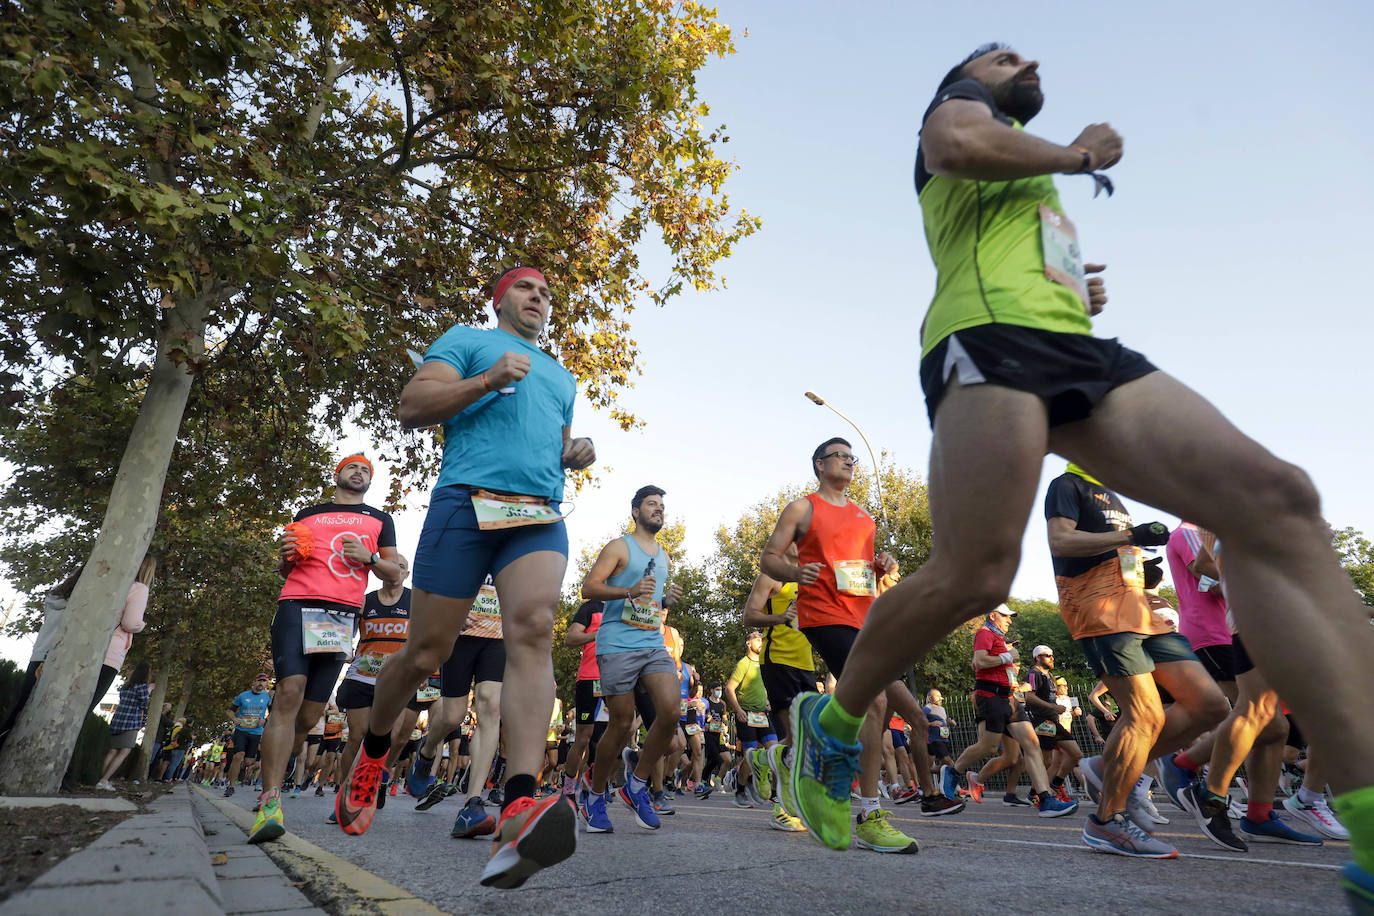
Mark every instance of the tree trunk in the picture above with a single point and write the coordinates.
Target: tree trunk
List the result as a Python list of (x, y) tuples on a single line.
[(40, 747), (145, 752), (185, 697)]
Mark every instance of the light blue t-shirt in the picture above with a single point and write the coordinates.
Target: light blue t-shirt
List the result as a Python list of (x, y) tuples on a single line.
[(618, 631), (254, 705), (509, 440)]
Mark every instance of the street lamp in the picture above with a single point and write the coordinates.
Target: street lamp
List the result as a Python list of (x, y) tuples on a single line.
[(877, 476)]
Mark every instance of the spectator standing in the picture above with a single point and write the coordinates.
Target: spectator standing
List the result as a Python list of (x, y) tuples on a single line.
[(130, 622), (53, 605), (127, 720)]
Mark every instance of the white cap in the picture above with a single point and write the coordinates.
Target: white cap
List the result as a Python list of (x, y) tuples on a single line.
[(1042, 650), (1003, 609)]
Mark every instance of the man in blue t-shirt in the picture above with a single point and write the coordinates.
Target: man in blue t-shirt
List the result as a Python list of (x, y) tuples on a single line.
[(249, 713), (630, 575), (506, 407)]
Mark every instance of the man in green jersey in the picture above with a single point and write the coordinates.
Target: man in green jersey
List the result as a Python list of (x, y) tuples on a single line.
[(1011, 371)]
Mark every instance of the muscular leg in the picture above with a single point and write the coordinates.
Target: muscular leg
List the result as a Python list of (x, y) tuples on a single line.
[(975, 753), (1198, 705), (984, 476), (1156, 441), (621, 710), (663, 690), (900, 701), (279, 734), (528, 590), (871, 744), (435, 622), (1138, 726), (1254, 729), (486, 737)]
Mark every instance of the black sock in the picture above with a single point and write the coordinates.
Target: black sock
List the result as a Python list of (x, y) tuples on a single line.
[(1056, 782), (521, 785), (376, 745)]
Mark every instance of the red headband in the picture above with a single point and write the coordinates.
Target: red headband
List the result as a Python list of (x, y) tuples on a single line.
[(358, 457), (509, 278)]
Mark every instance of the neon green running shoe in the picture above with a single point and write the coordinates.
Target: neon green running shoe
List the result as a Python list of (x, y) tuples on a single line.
[(782, 775), (269, 824), (876, 832), (763, 773), (822, 771)]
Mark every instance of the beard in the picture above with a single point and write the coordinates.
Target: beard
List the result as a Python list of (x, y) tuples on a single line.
[(1018, 100), (653, 526), (350, 486)]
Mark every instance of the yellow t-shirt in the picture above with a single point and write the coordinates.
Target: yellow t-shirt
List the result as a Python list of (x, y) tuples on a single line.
[(784, 644)]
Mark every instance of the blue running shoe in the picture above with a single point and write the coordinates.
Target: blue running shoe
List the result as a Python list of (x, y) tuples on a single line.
[(1276, 831), (419, 777), (949, 782), (473, 821), (641, 804), (1359, 889), (1176, 780), (662, 804), (597, 819), (1049, 806), (823, 768), (629, 757)]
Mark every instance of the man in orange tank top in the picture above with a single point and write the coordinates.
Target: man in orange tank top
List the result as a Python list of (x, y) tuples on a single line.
[(837, 580)]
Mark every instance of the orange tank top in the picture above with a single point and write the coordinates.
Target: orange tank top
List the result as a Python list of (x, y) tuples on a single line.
[(840, 538)]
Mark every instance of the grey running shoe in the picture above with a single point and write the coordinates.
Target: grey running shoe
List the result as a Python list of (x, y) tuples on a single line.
[(1120, 836)]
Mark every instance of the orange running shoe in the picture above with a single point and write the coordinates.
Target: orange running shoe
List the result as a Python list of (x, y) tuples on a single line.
[(975, 788), (356, 803), (532, 835)]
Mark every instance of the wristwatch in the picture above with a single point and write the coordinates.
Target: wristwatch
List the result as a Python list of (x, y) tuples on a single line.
[(374, 559)]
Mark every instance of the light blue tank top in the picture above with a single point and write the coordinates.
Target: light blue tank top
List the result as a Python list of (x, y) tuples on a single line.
[(628, 628)]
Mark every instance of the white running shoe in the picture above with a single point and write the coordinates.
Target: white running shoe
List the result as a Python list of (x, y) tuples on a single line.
[(1318, 816)]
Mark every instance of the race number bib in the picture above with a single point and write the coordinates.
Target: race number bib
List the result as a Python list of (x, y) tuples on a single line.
[(1132, 570), (682, 709), (497, 510), (693, 729), (643, 613), (756, 719), (596, 687), (370, 665), (944, 732), (247, 722), (486, 604), (326, 632), (427, 694), (1046, 728), (855, 577), (1063, 260)]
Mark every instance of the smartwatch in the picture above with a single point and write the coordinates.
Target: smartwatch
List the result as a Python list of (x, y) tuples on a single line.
[(374, 559)]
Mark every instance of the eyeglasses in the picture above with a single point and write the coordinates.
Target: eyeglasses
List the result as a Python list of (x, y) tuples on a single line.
[(843, 456)]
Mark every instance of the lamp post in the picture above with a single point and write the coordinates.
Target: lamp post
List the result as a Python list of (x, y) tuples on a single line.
[(877, 475)]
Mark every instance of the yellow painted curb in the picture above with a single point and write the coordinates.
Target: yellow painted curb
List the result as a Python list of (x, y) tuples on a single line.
[(301, 858)]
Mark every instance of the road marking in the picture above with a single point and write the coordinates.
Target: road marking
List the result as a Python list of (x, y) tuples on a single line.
[(1181, 855)]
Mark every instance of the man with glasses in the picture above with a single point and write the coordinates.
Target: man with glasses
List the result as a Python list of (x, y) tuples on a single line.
[(837, 579), (629, 576)]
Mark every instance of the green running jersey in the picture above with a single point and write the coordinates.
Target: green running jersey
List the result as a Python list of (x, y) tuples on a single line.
[(985, 238)]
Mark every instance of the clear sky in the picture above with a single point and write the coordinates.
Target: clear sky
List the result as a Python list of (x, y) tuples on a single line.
[(1237, 243)]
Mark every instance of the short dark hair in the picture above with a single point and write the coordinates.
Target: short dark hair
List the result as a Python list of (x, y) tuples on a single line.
[(644, 493), (957, 72), (819, 453)]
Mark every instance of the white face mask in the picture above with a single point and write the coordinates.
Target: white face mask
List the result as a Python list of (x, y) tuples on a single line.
[(715, 694)]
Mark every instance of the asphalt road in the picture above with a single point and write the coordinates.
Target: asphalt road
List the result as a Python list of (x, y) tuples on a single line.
[(712, 857)]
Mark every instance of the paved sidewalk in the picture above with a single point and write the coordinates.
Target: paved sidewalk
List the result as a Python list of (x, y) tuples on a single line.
[(160, 862)]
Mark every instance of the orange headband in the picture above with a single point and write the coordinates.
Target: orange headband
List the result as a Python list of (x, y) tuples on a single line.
[(359, 457), (505, 282)]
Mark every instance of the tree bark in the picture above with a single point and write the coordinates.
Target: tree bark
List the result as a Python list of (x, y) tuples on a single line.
[(185, 697), (145, 751), (40, 747)]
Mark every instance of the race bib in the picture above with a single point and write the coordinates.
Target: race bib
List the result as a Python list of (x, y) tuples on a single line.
[(756, 719), (1046, 728), (855, 577), (1063, 260), (1132, 570), (370, 665), (325, 631), (496, 510), (944, 732), (427, 694), (247, 722), (682, 709), (713, 726), (486, 604), (643, 613), (693, 729), (596, 687)]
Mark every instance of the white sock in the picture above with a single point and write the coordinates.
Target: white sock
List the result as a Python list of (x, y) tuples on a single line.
[(868, 804), (1308, 797)]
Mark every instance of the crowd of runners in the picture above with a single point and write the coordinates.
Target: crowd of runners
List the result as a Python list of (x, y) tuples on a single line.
[(450, 689)]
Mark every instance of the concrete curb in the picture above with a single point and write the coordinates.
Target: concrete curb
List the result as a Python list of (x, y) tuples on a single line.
[(353, 889), (149, 864)]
